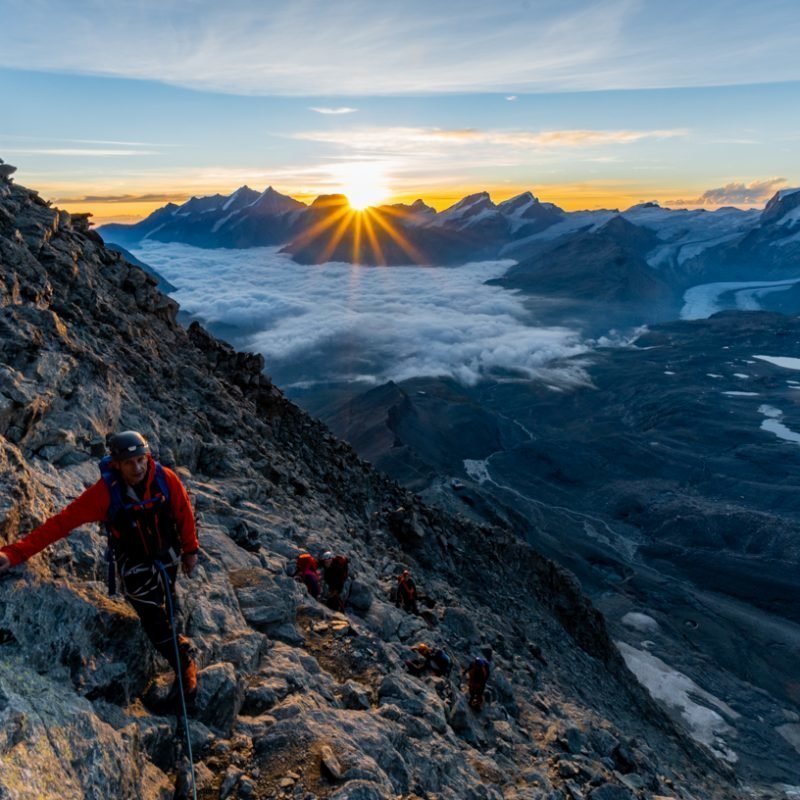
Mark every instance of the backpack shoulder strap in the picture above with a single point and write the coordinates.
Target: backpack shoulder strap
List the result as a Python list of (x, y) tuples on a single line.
[(114, 486), (115, 504), (161, 481)]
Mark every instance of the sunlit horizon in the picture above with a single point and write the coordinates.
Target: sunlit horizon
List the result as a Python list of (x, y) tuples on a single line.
[(569, 198)]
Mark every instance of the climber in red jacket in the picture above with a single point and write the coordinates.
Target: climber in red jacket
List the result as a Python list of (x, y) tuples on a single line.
[(149, 520)]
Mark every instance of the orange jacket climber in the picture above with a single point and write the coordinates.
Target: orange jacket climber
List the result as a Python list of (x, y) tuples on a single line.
[(150, 521)]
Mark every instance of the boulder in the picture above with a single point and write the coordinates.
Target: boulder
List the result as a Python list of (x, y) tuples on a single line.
[(355, 696), (360, 596), (461, 624), (219, 697)]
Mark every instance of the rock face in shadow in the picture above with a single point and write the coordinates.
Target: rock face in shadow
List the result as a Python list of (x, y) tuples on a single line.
[(600, 274), (295, 700)]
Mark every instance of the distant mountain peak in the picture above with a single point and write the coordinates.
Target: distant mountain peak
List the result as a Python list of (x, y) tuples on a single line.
[(479, 198), (627, 234), (467, 209), (243, 196), (420, 205), (648, 204), (330, 200), (418, 211), (525, 212), (517, 203), (781, 204), (165, 211), (273, 202)]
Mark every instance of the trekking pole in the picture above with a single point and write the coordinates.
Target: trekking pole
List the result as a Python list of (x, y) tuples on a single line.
[(178, 671)]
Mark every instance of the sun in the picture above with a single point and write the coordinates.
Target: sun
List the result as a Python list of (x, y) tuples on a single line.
[(363, 184)]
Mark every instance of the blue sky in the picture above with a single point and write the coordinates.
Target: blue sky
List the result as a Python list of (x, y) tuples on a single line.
[(115, 107)]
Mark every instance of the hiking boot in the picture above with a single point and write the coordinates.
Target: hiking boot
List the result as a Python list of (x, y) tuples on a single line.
[(189, 681), (189, 678)]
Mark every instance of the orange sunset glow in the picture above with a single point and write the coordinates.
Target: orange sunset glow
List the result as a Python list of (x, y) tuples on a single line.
[(570, 197), (359, 235)]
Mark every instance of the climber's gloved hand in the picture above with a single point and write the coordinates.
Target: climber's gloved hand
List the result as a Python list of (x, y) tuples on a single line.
[(188, 562)]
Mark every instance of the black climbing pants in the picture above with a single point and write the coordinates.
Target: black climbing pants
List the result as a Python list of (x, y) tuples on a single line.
[(142, 585)]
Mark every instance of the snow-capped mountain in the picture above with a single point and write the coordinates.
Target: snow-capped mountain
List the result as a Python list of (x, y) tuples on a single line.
[(783, 209), (527, 215), (245, 218), (767, 249), (472, 209), (686, 246)]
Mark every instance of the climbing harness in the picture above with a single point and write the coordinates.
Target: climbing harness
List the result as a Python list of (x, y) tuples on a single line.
[(119, 502)]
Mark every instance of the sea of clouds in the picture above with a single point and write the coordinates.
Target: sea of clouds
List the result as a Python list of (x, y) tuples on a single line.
[(340, 322)]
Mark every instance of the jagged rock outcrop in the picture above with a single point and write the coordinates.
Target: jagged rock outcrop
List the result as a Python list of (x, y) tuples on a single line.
[(295, 700), (6, 170)]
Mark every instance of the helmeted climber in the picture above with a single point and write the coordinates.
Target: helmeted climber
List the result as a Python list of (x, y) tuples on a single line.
[(477, 674), (335, 572), (150, 522), (406, 593), (307, 573)]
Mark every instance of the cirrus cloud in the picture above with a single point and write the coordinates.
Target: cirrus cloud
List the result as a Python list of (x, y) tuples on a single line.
[(77, 151), (400, 139), (359, 48), (334, 111)]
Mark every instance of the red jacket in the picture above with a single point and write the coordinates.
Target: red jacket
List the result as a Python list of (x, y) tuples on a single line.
[(92, 506)]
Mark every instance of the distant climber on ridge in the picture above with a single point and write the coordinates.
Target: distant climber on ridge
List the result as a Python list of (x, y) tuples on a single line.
[(149, 521), (306, 572), (406, 593), (477, 674), (335, 572)]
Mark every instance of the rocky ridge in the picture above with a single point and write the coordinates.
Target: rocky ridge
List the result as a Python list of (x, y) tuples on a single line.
[(296, 701)]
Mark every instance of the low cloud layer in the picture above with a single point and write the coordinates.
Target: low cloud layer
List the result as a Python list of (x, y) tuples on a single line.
[(756, 193), (337, 321)]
